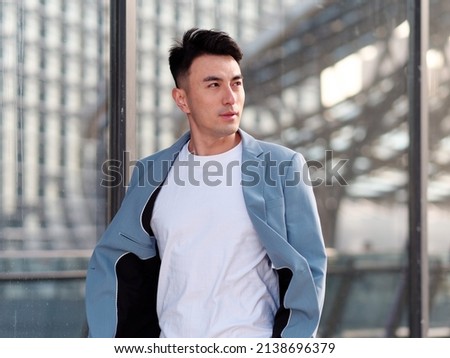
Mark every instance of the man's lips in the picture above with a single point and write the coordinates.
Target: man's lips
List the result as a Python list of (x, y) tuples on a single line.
[(229, 114)]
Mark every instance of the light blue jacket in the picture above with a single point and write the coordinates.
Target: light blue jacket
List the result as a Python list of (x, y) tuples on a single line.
[(123, 271)]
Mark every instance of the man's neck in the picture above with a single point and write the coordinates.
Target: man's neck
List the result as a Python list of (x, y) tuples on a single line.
[(200, 146)]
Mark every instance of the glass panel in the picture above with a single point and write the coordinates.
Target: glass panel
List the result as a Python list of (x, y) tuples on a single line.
[(53, 117), (438, 60)]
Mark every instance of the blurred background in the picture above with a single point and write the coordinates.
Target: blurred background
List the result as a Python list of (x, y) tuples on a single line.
[(326, 78)]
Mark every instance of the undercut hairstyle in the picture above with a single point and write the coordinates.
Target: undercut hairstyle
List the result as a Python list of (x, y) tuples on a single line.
[(197, 42)]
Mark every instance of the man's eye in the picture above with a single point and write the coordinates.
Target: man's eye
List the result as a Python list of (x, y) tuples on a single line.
[(214, 84)]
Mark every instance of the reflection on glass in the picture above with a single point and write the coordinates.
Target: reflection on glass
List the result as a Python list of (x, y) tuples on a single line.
[(52, 138)]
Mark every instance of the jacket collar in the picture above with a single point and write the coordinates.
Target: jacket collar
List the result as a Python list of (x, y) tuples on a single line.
[(251, 147)]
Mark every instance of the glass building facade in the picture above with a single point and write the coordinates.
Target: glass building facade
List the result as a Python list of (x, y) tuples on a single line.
[(331, 79)]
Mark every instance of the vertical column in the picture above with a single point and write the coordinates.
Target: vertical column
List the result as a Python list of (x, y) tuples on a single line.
[(418, 17), (122, 102)]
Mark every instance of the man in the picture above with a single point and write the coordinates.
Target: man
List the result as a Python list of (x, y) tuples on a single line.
[(218, 235)]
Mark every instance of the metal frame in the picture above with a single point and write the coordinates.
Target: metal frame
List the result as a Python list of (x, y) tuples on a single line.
[(418, 281), (122, 107)]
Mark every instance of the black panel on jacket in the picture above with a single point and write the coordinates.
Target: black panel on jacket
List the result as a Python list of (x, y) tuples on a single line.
[(136, 297), (148, 211), (282, 315)]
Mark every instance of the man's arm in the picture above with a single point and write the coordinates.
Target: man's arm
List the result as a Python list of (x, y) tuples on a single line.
[(304, 231), (122, 274)]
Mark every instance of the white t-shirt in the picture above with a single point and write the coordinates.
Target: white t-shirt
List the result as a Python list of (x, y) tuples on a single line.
[(216, 279)]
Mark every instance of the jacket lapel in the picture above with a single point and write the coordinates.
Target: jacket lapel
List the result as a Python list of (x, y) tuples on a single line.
[(253, 171)]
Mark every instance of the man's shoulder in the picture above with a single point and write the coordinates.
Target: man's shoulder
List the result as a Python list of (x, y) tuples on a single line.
[(277, 151), (275, 147), (269, 149), (158, 155)]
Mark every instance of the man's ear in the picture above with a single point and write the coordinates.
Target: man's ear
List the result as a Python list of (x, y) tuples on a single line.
[(179, 96)]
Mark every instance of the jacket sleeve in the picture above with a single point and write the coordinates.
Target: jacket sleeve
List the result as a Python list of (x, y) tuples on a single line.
[(304, 234), (122, 274)]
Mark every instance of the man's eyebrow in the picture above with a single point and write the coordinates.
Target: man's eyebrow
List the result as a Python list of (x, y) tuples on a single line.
[(215, 78)]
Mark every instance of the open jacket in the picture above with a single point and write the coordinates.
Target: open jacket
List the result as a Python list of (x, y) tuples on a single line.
[(123, 271)]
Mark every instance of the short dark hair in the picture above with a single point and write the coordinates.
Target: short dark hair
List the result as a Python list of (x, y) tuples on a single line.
[(197, 42)]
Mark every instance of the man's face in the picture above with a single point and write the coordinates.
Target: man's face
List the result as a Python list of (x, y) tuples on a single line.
[(212, 95)]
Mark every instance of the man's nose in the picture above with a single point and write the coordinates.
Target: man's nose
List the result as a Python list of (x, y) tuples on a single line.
[(229, 96)]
